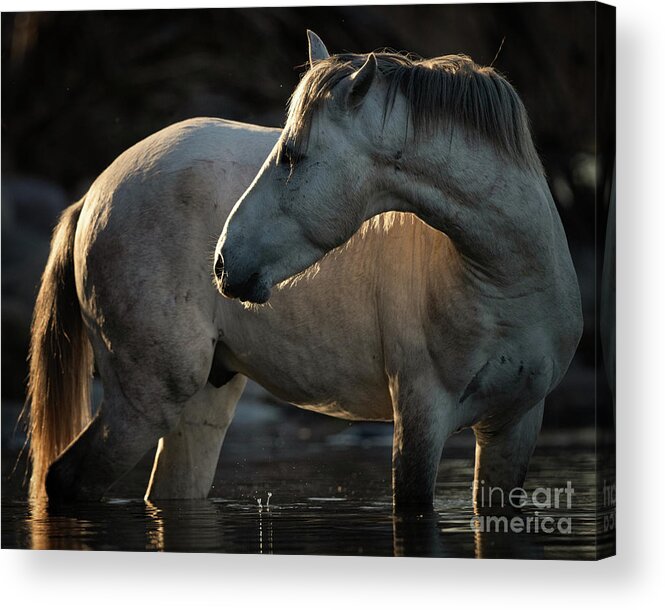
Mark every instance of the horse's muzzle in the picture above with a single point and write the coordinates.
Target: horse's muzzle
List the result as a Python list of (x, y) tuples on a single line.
[(251, 289), (245, 291)]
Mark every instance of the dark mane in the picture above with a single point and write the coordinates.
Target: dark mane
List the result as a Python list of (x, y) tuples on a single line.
[(441, 91)]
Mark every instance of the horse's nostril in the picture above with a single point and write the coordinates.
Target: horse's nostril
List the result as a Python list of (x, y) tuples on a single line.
[(239, 290), (219, 267)]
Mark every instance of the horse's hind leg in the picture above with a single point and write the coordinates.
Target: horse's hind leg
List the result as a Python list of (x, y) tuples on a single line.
[(186, 459), (141, 404), (502, 458), (114, 441)]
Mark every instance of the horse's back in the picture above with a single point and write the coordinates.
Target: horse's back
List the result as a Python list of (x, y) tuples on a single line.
[(145, 244), (222, 155)]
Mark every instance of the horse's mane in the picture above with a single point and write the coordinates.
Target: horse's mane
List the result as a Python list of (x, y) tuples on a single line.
[(441, 91)]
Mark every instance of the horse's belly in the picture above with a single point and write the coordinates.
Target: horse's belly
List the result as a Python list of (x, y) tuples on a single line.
[(357, 396), (326, 361), (353, 391), (377, 409)]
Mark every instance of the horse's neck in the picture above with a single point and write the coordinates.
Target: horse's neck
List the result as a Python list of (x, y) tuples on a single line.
[(488, 207)]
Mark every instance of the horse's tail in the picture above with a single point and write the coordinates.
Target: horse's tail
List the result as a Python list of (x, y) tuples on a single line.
[(61, 358)]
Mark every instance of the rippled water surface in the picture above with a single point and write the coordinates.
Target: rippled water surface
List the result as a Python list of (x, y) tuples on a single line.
[(316, 507), (293, 482)]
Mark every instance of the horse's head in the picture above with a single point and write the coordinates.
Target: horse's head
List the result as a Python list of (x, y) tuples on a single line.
[(367, 134), (314, 189)]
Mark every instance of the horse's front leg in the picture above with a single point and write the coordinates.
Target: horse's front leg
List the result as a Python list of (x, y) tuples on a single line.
[(186, 459), (502, 457), (421, 428)]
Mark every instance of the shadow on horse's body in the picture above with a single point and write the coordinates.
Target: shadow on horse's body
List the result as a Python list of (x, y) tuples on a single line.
[(391, 325)]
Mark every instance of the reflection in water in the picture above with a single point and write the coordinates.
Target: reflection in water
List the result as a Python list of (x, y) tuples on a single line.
[(156, 534), (49, 529), (268, 549), (355, 518), (416, 534)]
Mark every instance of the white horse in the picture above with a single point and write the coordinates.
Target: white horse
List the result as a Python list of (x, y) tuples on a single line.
[(470, 321), (472, 316)]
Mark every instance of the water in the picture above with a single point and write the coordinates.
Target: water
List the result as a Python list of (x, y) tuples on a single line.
[(328, 498), (295, 482)]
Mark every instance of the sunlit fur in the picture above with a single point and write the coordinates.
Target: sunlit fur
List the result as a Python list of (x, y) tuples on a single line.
[(58, 397)]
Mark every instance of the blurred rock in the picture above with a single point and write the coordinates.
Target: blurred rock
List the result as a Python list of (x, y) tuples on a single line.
[(30, 209), (33, 203)]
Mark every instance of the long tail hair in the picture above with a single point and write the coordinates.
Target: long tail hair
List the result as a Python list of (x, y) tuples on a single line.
[(61, 359)]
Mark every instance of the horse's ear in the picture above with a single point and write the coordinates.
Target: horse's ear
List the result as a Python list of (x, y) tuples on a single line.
[(317, 50), (361, 81)]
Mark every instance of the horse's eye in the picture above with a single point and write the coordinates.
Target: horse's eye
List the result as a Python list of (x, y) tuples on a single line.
[(284, 157), (288, 156)]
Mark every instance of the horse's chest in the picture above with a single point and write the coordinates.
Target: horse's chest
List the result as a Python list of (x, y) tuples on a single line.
[(488, 358)]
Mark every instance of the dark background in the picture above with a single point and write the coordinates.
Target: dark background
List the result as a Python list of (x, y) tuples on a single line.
[(78, 88)]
